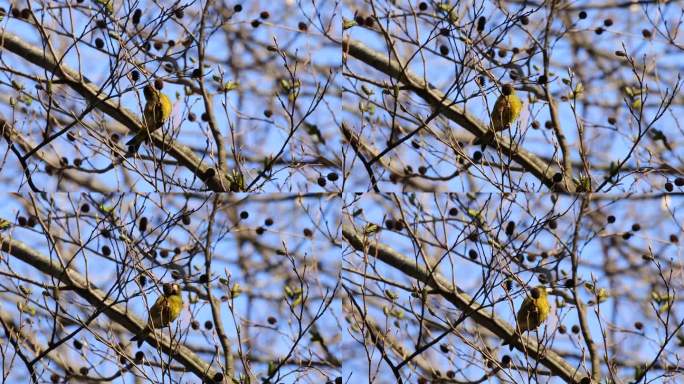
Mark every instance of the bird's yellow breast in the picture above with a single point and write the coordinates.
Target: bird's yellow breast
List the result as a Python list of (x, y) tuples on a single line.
[(165, 106), (175, 305)]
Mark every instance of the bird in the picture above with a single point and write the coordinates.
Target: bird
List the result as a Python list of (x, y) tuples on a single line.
[(165, 310), (506, 110), (156, 113), (533, 311)]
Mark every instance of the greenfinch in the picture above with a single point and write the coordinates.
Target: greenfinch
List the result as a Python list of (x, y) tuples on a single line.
[(165, 310), (506, 110), (533, 311), (157, 112)]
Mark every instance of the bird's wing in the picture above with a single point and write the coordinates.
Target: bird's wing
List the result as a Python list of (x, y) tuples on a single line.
[(498, 115), (527, 314), (158, 114), (166, 313), (158, 313)]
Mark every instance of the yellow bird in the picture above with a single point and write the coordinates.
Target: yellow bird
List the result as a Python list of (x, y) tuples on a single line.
[(165, 310), (506, 110), (157, 112), (533, 311)]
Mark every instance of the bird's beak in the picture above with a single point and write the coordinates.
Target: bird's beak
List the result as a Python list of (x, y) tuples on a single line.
[(549, 290)]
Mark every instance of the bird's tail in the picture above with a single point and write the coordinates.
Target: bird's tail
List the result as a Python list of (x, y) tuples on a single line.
[(484, 140), (509, 342), (516, 334), (140, 337), (134, 143)]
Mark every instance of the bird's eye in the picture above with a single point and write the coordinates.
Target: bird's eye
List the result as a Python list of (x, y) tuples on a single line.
[(535, 293)]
